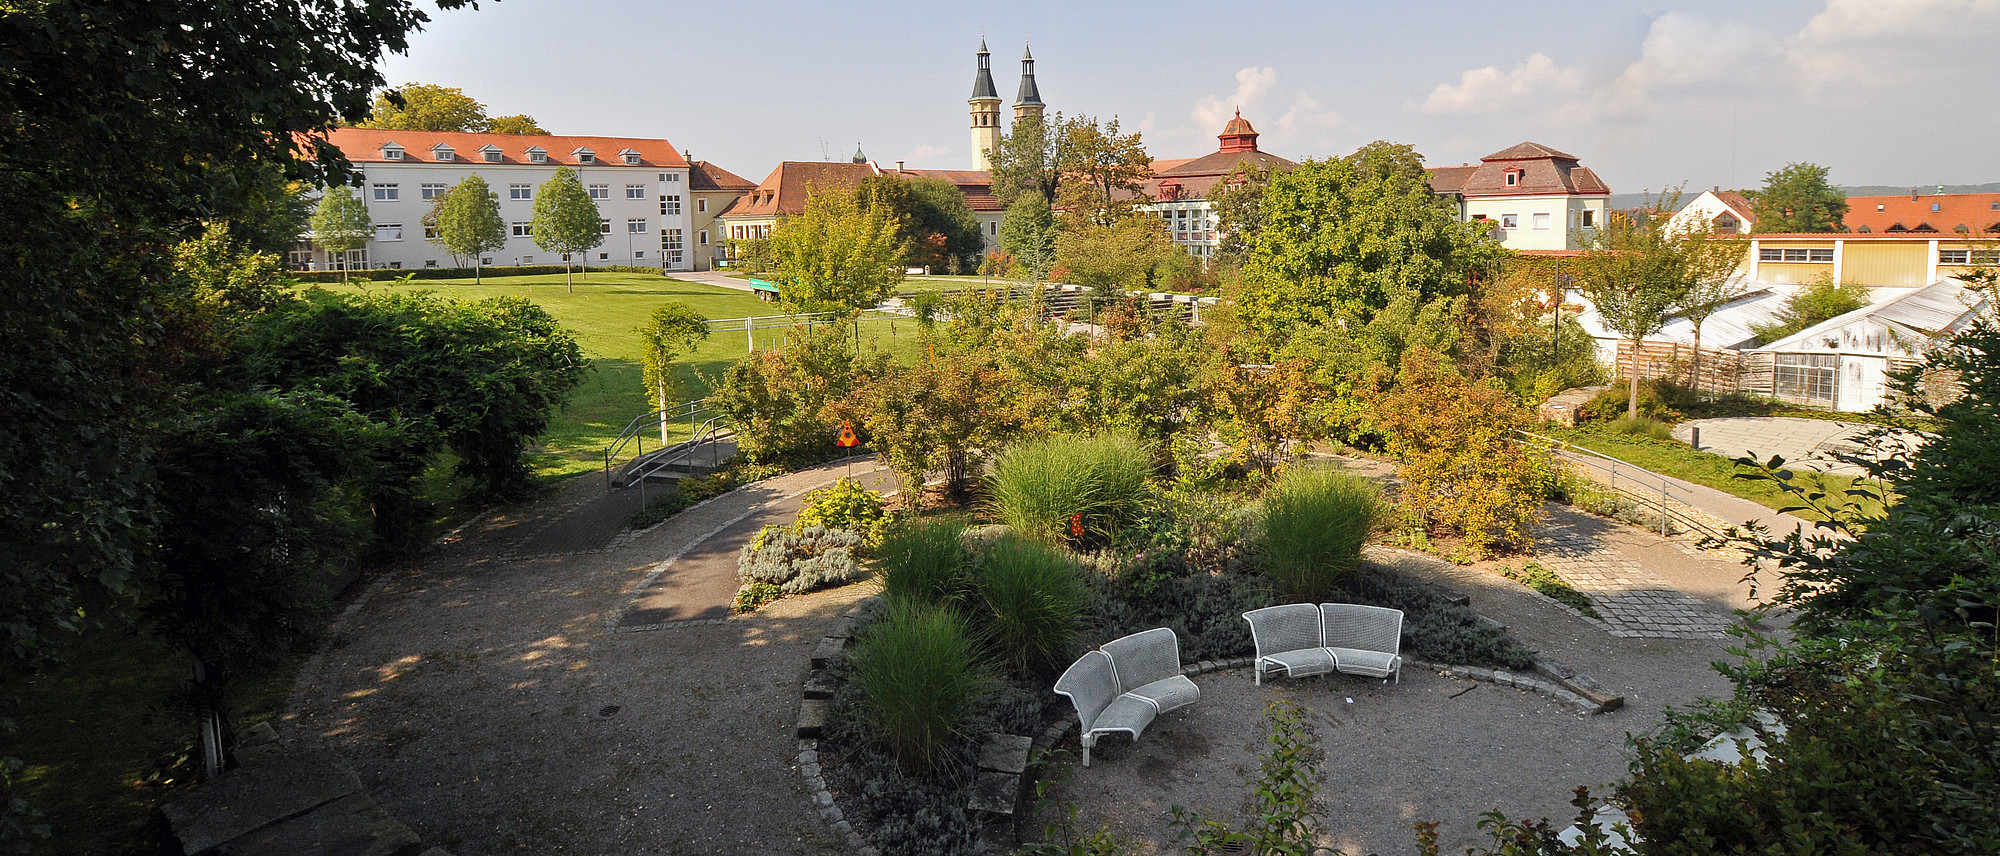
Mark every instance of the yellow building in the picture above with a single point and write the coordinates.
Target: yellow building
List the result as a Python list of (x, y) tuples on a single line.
[(1875, 260)]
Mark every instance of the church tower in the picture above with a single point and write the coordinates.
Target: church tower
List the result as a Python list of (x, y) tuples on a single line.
[(1027, 104), (985, 103)]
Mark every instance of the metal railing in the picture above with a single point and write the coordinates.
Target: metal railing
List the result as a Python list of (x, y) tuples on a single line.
[(1642, 485), (750, 325), (692, 414), (709, 436)]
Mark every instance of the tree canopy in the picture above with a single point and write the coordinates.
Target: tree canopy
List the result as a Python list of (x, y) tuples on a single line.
[(341, 223), (932, 219), (836, 255), (1814, 302), (566, 219), (468, 221), (425, 107), (519, 123), (672, 330), (1798, 199)]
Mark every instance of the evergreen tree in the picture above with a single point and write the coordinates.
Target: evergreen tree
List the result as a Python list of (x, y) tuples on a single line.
[(566, 219), (468, 222)]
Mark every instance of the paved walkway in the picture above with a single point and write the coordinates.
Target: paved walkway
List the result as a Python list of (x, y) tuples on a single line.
[(1804, 443), (715, 278)]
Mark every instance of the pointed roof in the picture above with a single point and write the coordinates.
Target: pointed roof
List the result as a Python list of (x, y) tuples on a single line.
[(1977, 212), (1029, 93), (858, 156), (783, 192), (703, 175), (982, 84), (1528, 151), (1238, 136), (1537, 170)]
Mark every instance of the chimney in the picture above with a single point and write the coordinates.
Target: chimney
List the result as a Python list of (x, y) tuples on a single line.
[(1718, 188), (1913, 194), (899, 166)]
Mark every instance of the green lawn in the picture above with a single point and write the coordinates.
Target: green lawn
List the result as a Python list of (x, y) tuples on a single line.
[(603, 312), (1677, 459)]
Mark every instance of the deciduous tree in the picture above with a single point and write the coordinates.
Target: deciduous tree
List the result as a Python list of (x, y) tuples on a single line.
[(341, 224), (519, 123), (672, 330), (1101, 170), (1816, 301), (1712, 284), (1028, 233), (1129, 254), (932, 220), (1798, 199), (836, 256), (566, 219), (468, 222), (426, 107)]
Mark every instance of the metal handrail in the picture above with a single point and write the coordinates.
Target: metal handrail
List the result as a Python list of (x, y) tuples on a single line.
[(636, 430), (709, 435), (1661, 496)]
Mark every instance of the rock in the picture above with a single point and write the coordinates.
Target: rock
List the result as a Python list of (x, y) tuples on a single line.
[(812, 717), (818, 685), (250, 798), (350, 826), (1005, 753), (996, 793), (828, 650)]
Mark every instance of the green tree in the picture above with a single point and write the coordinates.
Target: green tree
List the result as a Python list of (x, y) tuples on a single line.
[(836, 256), (468, 221), (1238, 203), (426, 107), (1028, 233), (341, 224), (1798, 199), (1344, 239), (1638, 272), (1101, 171), (1130, 254), (519, 123), (672, 330), (566, 219), (1712, 265), (1027, 162), (932, 219), (1816, 301)]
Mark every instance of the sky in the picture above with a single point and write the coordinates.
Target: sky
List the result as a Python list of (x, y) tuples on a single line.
[(1651, 97)]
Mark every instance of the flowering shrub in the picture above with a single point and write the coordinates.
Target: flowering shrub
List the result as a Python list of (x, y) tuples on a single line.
[(1462, 470)]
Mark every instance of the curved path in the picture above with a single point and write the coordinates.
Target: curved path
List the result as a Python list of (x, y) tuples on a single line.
[(504, 702)]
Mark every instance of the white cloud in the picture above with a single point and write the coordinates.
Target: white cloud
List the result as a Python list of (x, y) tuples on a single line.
[(924, 152), (1886, 42), (1306, 114), (1682, 52), (1251, 84), (1483, 90)]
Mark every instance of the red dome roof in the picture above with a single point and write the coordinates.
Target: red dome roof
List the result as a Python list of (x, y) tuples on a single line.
[(1238, 125)]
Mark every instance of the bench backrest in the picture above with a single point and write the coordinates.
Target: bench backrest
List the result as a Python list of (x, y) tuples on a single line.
[(1364, 628), (1292, 627), (1091, 685), (1144, 657)]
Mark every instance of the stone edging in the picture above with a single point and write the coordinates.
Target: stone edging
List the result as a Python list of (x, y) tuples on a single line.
[(1550, 679)]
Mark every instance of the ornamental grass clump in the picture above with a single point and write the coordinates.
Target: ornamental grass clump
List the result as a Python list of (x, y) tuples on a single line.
[(919, 673), (1315, 522), (924, 559), (1030, 599), (1071, 489)]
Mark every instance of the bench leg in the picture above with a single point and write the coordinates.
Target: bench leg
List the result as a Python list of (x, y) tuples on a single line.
[(1086, 740)]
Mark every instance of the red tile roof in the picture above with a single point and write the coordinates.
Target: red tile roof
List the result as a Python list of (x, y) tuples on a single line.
[(1450, 179), (783, 192), (364, 145), (976, 184), (1542, 171), (703, 175), (1977, 212)]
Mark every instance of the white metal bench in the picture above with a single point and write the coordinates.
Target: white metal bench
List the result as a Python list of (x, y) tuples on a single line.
[(1303, 640), (1125, 684)]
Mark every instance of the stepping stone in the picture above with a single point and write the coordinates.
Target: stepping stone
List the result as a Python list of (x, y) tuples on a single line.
[(1005, 753)]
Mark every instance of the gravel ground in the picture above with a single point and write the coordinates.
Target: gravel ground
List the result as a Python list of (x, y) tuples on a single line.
[(484, 703)]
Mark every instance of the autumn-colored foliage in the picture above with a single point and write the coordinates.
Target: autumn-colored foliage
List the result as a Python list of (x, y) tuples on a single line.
[(1462, 471)]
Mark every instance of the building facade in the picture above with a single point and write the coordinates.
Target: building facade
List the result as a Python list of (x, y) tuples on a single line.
[(713, 190), (1182, 191), (1537, 199), (641, 188)]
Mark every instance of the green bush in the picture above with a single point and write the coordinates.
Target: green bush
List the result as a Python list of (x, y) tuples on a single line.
[(845, 504), (1315, 522), (1658, 399), (798, 562), (1652, 429), (1031, 600), (1051, 488), (919, 674), (1538, 577), (395, 274), (924, 559)]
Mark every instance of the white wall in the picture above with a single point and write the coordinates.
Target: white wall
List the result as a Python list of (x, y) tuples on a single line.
[(1563, 214)]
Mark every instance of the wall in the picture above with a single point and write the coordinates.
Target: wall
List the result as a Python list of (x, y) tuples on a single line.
[(1873, 263), (1565, 215)]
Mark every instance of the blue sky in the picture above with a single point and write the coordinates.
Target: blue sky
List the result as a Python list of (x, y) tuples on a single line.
[(1650, 96)]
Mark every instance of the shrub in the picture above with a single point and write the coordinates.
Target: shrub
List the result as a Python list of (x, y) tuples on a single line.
[(1284, 807), (919, 675), (798, 562), (1658, 399), (1535, 576), (1434, 627), (845, 504), (1463, 471), (1054, 488), (754, 595), (1031, 599), (924, 559), (1652, 429), (1315, 521)]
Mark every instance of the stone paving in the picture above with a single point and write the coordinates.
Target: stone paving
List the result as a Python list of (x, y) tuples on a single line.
[(1631, 601), (1803, 443)]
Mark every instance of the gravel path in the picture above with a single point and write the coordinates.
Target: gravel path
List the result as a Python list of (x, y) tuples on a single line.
[(486, 702)]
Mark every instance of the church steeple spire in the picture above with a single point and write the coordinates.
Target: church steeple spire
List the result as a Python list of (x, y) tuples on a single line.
[(985, 103), (1028, 102)]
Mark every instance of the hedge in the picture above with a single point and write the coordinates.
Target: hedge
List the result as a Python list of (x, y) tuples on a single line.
[(393, 274)]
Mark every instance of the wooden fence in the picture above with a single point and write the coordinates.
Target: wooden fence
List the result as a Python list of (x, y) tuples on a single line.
[(1721, 371)]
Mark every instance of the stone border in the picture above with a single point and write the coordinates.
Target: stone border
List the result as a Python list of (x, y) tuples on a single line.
[(1550, 679)]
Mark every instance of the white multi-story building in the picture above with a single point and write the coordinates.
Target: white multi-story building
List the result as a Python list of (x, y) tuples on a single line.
[(1536, 199), (641, 187), (1182, 192)]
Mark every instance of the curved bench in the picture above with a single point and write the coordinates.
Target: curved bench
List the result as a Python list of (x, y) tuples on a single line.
[(1304, 640), (1125, 684)]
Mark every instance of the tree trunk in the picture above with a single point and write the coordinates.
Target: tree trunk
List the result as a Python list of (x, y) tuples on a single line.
[(568, 285), (1697, 360), (208, 720), (475, 270), (663, 410), (1632, 403)]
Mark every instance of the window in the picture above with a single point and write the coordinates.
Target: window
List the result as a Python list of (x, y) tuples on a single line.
[(603, 256), (1968, 257), (433, 191), (523, 230), (538, 157), (635, 225), (670, 245), (1510, 221), (604, 226), (430, 232), (1879, 206), (703, 237), (490, 156), (635, 191), (631, 158), (1774, 254), (527, 260), (701, 205), (600, 191), (396, 265), (670, 177), (1590, 219), (387, 193), (388, 231), (1542, 222), (1934, 206), (638, 254), (670, 205), (993, 227), (520, 191), (1808, 378), (1513, 177), (1995, 206), (584, 155), (443, 153), (486, 260), (430, 262), (392, 154)]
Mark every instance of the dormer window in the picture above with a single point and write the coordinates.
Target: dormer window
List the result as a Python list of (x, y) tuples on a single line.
[(631, 157), (537, 154), (490, 153), (1513, 178), (391, 151), (444, 153), (583, 155)]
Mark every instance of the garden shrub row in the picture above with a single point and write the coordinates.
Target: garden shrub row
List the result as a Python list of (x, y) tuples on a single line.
[(400, 274)]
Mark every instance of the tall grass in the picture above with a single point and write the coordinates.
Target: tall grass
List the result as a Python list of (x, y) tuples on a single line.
[(1315, 522), (1050, 488), (919, 673), (1032, 598), (924, 559)]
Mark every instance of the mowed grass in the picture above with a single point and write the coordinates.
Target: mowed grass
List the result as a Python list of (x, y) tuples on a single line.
[(1677, 459), (604, 312)]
